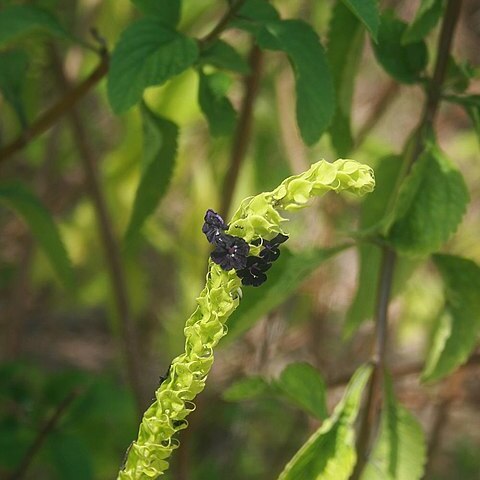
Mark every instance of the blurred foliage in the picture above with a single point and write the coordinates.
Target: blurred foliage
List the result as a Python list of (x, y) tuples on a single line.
[(162, 163)]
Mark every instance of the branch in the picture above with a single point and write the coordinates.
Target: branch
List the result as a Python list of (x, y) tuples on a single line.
[(51, 116), (109, 242), (42, 435), (370, 416), (243, 130), (223, 23)]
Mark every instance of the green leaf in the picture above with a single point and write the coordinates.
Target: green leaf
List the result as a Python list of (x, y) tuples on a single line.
[(458, 76), (13, 68), (344, 53), (19, 20), (427, 16), (148, 53), (471, 104), (303, 385), (246, 389), (160, 149), (166, 11), (430, 206), (285, 276), (329, 454), (403, 62), (214, 103), (367, 12), (253, 14), (314, 87), (28, 206), (222, 55), (458, 327), (399, 452)]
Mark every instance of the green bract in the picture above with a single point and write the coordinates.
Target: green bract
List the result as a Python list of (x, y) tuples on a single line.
[(257, 216)]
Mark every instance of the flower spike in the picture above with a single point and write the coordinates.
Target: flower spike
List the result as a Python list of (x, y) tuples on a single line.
[(257, 217)]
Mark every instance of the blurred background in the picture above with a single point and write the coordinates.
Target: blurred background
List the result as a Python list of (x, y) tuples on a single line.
[(62, 349)]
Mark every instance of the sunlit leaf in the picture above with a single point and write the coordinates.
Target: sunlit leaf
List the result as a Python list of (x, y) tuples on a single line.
[(399, 452), (13, 67), (38, 218), (458, 326), (403, 62), (148, 53), (20, 20), (344, 53), (166, 11), (329, 454), (431, 204), (214, 103), (160, 149), (314, 87), (427, 16), (367, 12), (285, 276), (303, 385)]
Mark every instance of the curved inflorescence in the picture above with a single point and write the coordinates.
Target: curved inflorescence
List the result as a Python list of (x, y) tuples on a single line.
[(255, 230)]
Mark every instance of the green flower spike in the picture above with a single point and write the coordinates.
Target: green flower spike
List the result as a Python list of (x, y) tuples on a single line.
[(257, 216)]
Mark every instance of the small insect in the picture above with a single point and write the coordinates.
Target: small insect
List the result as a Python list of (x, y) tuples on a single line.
[(164, 377), (124, 462)]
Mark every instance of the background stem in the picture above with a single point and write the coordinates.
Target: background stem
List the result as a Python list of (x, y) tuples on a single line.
[(370, 415), (242, 135), (109, 243)]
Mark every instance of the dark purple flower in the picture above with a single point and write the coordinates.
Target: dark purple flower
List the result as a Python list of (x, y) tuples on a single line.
[(231, 252), (254, 273), (270, 250), (213, 226)]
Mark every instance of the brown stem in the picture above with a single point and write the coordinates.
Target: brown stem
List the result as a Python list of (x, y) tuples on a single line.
[(243, 130), (42, 435), (223, 23), (109, 242), (51, 116), (370, 416)]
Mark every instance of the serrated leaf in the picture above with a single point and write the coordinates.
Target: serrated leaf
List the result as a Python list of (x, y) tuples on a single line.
[(303, 385), (13, 67), (16, 196), (430, 206), (329, 454), (148, 53), (166, 11), (19, 20), (246, 389), (403, 62), (222, 55), (344, 53), (285, 276), (253, 14), (160, 149), (428, 14), (399, 453), (214, 103), (458, 327), (367, 12), (314, 87)]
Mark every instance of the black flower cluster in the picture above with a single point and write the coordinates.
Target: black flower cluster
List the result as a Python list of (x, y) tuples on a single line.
[(232, 252)]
